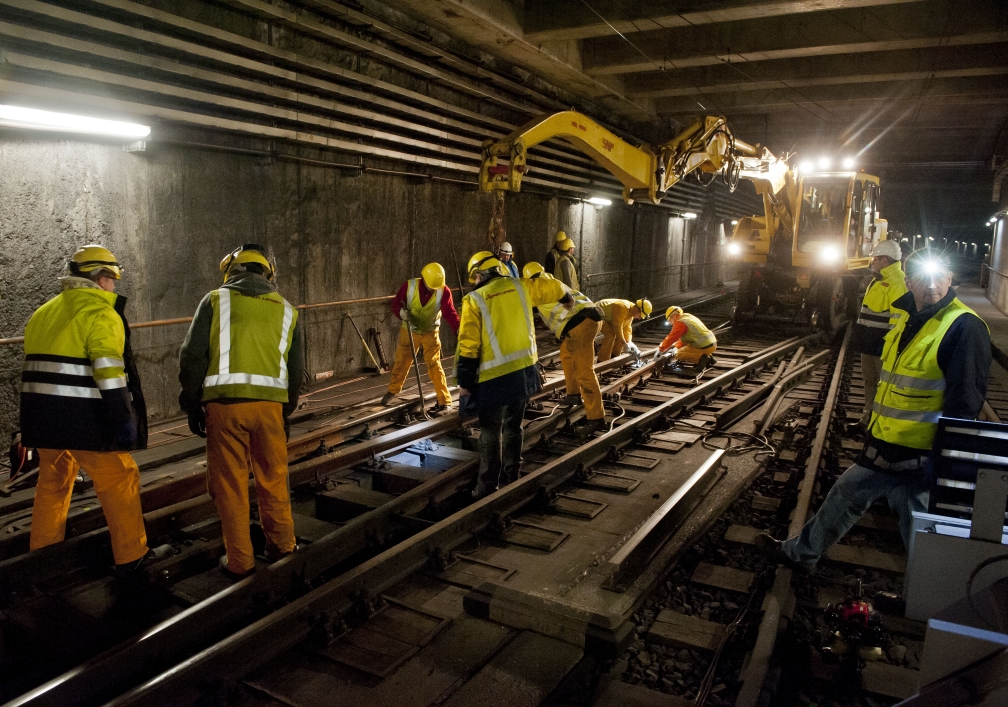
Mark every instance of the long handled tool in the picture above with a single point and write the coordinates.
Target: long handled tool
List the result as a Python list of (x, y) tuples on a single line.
[(366, 347), (416, 367), (458, 274)]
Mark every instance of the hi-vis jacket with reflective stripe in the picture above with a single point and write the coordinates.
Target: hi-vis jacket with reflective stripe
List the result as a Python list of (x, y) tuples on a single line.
[(876, 316), (697, 335), (617, 313), (244, 344), (496, 326), (74, 390), (427, 317), (912, 386), (556, 316)]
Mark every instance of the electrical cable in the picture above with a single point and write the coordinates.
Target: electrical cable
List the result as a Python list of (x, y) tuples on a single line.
[(756, 443), (617, 406)]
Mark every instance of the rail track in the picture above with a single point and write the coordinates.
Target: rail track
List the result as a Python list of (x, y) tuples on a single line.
[(399, 572)]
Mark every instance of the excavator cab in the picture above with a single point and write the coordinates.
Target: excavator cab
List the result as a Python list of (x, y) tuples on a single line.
[(806, 267)]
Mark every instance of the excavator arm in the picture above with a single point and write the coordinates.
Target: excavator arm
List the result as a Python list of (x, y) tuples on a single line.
[(706, 147)]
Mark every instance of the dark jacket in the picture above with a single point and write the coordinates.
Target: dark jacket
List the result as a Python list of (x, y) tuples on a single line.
[(194, 357), (964, 356)]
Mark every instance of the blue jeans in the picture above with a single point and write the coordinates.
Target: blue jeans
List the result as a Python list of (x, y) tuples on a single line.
[(848, 500), (500, 446)]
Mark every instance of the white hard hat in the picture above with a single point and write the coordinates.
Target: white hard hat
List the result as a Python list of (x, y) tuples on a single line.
[(889, 248), (505, 247)]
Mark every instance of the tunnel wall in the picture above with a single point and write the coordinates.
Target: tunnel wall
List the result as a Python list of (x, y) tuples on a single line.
[(171, 213)]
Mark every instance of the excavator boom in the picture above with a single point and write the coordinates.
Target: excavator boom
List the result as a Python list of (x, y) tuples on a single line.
[(707, 146)]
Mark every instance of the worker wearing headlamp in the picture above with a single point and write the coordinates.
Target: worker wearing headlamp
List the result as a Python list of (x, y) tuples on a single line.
[(935, 363)]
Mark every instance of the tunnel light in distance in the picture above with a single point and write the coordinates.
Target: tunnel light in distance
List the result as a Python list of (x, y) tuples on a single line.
[(825, 163), (806, 167), (599, 202), (18, 117), (734, 248), (848, 163), (689, 215), (829, 254), (734, 223)]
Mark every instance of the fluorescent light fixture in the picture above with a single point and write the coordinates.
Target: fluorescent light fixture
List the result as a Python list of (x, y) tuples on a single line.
[(848, 163), (599, 201), (930, 238), (825, 163), (829, 254), (734, 248), (734, 223), (806, 167), (18, 117), (689, 215)]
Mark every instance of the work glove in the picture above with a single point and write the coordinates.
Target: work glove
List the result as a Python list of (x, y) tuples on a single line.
[(631, 347), (657, 353), (197, 422)]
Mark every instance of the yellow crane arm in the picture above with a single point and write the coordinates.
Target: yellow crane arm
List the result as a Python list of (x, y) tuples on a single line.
[(707, 145)]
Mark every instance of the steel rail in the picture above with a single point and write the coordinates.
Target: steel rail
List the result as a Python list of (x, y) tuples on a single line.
[(781, 597), (292, 623)]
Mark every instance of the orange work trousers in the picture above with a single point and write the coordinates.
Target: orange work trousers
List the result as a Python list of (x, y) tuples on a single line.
[(431, 344), (240, 436), (577, 356), (116, 482), (691, 354), (609, 342)]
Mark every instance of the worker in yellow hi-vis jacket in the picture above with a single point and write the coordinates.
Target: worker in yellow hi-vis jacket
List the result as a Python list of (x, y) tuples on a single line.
[(240, 368)]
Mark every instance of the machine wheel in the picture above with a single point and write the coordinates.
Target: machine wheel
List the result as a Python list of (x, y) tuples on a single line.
[(829, 303)]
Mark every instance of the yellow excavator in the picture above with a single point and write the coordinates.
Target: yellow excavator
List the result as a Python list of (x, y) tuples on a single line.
[(806, 253)]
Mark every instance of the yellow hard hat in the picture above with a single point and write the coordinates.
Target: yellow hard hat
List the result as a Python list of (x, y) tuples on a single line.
[(433, 275), (92, 257), (567, 244), (482, 262), (644, 306), (673, 310), (245, 254), (560, 237), (532, 270)]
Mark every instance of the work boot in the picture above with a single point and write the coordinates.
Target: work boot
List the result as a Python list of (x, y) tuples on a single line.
[(388, 398), (440, 409), (234, 576), (574, 399), (272, 553), (131, 570), (706, 361), (480, 491), (590, 427), (772, 549)]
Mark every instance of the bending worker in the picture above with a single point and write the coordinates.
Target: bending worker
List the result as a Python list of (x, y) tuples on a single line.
[(874, 320), (576, 328), (935, 363), (240, 367), (497, 357), (420, 303), (549, 262), (506, 255), (565, 270), (82, 406), (693, 342), (618, 316)]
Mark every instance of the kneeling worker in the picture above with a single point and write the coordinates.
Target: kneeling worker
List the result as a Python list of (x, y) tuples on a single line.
[(242, 362), (82, 406), (693, 342), (420, 303), (618, 316), (497, 357), (576, 328)]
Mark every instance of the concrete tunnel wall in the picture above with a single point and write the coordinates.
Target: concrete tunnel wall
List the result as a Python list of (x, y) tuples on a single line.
[(171, 213)]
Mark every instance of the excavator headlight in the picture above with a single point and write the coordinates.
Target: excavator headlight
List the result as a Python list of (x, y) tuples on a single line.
[(829, 255), (734, 248)]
